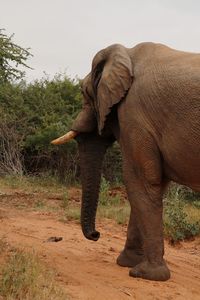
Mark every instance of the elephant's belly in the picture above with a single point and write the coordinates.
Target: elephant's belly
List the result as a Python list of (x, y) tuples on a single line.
[(181, 155), (183, 171)]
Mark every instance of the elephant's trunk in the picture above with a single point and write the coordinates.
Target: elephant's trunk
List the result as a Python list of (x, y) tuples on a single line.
[(91, 153)]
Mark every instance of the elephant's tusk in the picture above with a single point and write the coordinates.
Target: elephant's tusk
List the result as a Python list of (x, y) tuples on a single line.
[(65, 138)]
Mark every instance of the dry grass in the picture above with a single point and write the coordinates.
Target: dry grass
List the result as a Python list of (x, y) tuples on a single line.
[(71, 213), (193, 213), (23, 276), (32, 184), (120, 213)]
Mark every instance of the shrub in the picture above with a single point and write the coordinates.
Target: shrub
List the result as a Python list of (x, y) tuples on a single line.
[(105, 198), (112, 166), (177, 227), (11, 57), (11, 160)]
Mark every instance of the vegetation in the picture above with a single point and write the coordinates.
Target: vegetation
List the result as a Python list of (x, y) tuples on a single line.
[(105, 197), (179, 220), (34, 114), (23, 276), (112, 206), (11, 57)]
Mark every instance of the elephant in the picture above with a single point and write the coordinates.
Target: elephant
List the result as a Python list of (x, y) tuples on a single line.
[(147, 98)]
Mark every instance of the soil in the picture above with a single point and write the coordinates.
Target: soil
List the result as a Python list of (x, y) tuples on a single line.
[(87, 269)]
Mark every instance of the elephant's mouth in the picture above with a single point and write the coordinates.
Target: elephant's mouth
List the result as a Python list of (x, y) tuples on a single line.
[(65, 138)]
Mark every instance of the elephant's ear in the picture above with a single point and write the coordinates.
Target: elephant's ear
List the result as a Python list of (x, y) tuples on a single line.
[(112, 76)]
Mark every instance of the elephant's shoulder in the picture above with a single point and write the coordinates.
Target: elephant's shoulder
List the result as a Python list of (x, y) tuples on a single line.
[(147, 51), (149, 46)]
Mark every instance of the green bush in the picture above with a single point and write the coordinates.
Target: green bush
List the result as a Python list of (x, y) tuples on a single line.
[(112, 166), (190, 196), (177, 226), (105, 198), (104, 192), (11, 57), (37, 113)]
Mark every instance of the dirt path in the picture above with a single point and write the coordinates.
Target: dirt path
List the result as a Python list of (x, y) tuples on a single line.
[(87, 270)]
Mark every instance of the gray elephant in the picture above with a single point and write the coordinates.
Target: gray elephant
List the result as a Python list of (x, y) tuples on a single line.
[(148, 99)]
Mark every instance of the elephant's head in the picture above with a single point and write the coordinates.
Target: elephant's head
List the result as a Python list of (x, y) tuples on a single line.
[(103, 88)]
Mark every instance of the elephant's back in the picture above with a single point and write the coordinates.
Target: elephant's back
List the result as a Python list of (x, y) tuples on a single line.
[(165, 75), (157, 59)]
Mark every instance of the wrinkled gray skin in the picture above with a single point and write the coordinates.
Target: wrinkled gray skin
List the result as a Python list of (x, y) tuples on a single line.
[(148, 99)]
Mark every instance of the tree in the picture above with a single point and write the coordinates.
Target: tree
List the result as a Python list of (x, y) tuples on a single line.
[(11, 57)]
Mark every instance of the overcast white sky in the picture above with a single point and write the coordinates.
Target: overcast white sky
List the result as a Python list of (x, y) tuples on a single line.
[(64, 35)]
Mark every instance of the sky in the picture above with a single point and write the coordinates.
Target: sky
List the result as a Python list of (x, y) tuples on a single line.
[(64, 35)]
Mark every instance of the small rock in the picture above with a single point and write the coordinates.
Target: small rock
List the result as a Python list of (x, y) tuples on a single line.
[(54, 239)]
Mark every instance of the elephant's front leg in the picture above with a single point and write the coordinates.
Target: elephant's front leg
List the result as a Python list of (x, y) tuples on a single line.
[(145, 187), (132, 253), (148, 202)]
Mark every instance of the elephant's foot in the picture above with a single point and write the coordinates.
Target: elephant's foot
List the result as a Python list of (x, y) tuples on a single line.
[(146, 270), (128, 258)]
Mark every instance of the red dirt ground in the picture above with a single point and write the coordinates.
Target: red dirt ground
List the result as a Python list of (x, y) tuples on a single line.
[(86, 269)]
